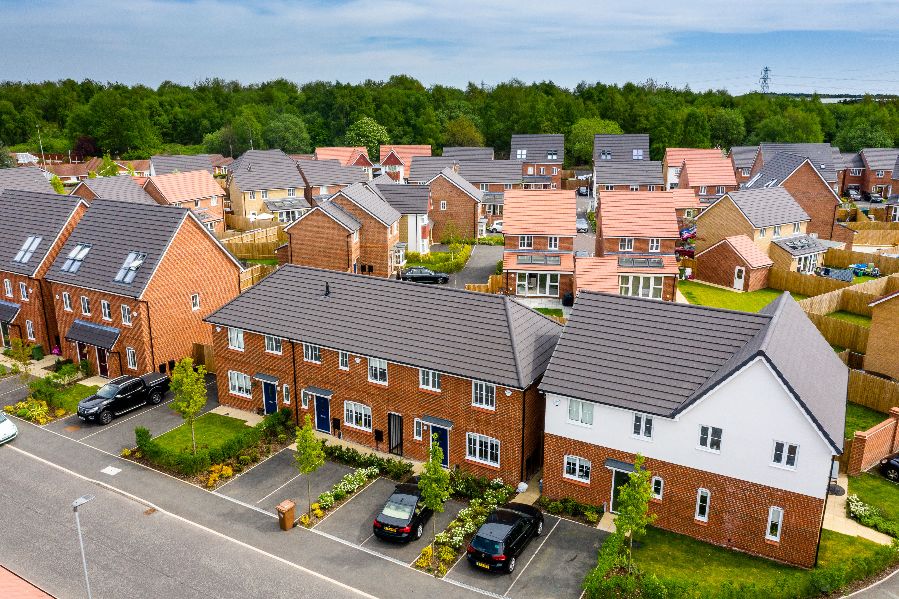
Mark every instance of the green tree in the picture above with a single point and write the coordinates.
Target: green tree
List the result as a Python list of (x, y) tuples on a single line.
[(580, 138), (288, 133), (189, 387), (6, 159), (461, 131), (108, 168), (310, 454), (862, 135), (726, 128), (633, 505), (434, 482), (696, 132), (367, 132), (91, 174), (58, 187)]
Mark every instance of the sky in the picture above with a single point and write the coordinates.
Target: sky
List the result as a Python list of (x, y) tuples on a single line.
[(829, 46)]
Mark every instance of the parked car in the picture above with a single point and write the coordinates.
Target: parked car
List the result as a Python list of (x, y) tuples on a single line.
[(889, 467), (403, 516), (874, 197), (496, 227), (503, 536), (420, 274), (121, 395), (685, 252), (854, 195), (8, 429), (582, 225), (583, 191)]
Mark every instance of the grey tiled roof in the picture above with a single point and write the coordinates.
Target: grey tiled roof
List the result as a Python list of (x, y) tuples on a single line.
[(768, 206), (265, 169), (776, 169), (370, 199), (462, 183), (424, 168), (25, 178), (383, 179), (92, 334), (621, 146), (318, 173), (474, 335), (114, 229), (407, 199), (632, 172), (468, 153), (743, 156), (820, 154), (880, 159), (630, 353), (122, 188), (165, 164), (491, 171), (27, 213), (852, 160), (800, 245), (340, 215), (539, 146)]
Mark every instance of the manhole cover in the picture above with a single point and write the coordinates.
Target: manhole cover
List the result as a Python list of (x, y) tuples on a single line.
[(72, 428)]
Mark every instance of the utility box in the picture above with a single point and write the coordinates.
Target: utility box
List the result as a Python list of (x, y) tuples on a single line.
[(286, 514)]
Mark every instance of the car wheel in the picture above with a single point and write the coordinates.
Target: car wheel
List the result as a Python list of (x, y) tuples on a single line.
[(105, 417), (893, 474), (419, 531), (155, 398), (511, 567), (539, 528)]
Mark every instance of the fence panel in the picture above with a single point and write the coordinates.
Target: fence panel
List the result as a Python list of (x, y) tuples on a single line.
[(872, 391), (843, 258), (873, 226), (493, 285), (242, 223), (203, 354), (841, 333), (254, 274), (796, 282)]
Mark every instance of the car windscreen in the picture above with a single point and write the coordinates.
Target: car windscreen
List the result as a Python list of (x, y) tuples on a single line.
[(400, 511), (108, 391), (488, 546), (2, 417)]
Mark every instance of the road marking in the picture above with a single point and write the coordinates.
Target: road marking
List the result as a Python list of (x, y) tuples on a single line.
[(279, 488), (876, 584), (19, 388), (197, 525), (545, 539), (111, 470), (124, 420)]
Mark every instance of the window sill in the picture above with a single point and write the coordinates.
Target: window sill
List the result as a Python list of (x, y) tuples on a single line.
[(274, 353), (310, 362), (655, 500), (240, 395), (780, 467), (576, 481), (772, 542), (235, 349), (430, 391), (484, 409), (580, 424), (643, 438), (480, 463), (707, 450), (377, 384), (700, 522)]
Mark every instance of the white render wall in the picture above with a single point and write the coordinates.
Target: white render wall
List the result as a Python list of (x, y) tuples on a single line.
[(752, 408), (414, 223)]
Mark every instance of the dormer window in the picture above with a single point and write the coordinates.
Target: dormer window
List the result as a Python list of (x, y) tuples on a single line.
[(552, 155), (605, 155), (521, 154), (25, 253), (75, 258), (638, 154), (129, 268)]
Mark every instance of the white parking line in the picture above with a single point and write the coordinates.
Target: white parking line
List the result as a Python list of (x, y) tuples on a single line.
[(233, 478), (520, 572), (123, 421), (19, 388), (279, 488)]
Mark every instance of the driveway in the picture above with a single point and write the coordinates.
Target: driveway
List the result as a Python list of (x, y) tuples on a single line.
[(12, 390), (481, 264)]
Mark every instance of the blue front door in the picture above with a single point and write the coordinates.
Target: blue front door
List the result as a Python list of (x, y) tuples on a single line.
[(443, 442), (323, 414), (270, 396)]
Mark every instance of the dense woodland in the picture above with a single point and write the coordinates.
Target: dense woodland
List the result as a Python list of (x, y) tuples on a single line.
[(226, 117)]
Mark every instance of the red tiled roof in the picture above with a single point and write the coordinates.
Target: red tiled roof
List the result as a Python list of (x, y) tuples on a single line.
[(510, 262), (404, 153), (600, 273), (141, 166), (674, 157), (747, 250), (707, 170), (686, 198), (68, 170), (635, 214), (527, 212), (183, 187), (347, 155), (14, 587)]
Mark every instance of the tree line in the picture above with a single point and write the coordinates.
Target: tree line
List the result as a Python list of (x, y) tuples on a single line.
[(227, 117)]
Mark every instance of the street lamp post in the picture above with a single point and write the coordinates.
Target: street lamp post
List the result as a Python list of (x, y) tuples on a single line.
[(75, 505)]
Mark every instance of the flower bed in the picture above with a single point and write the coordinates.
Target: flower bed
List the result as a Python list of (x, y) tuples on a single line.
[(330, 500), (51, 397), (398, 470), (569, 508), (870, 516)]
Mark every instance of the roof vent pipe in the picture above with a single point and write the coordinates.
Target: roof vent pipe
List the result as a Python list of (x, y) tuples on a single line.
[(327, 289)]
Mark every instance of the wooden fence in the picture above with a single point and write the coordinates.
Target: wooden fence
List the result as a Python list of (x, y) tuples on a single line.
[(843, 258), (875, 237), (796, 282), (873, 226), (841, 333), (493, 285), (874, 392), (254, 274), (242, 223), (203, 354), (262, 235)]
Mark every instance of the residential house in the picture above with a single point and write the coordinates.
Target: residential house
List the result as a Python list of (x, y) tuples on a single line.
[(736, 262), (687, 206), (539, 231), (413, 202), (196, 190), (121, 187), (468, 153), (491, 209), (710, 176), (854, 177), (396, 160), (486, 175), (425, 168), (740, 438), (674, 160), (347, 156), (647, 276), (877, 179), (455, 207), (741, 159), (541, 156), (825, 158), (132, 285), (883, 342), (72, 173), (24, 178), (615, 153), (260, 175), (322, 178), (166, 164), (34, 228), (467, 371), (324, 236), (620, 147)]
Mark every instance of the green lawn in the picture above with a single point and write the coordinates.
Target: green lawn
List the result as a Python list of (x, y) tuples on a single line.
[(266, 261), (861, 418), (875, 490), (751, 301), (550, 311), (212, 431), (862, 279), (862, 321), (69, 397)]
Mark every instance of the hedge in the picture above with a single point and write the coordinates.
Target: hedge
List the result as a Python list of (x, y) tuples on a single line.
[(442, 261), (392, 468)]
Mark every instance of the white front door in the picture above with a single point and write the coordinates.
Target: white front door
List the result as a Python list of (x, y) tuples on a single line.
[(739, 277)]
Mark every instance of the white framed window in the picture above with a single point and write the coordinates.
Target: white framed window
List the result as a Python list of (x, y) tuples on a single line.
[(126, 314), (655, 244), (710, 438), (552, 243), (555, 170), (609, 188), (784, 455), (7, 287), (264, 194), (195, 301), (796, 228), (652, 188), (542, 170), (323, 190), (637, 155), (291, 192), (312, 353), (658, 487), (344, 360), (521, 154), (85, 305), (417, 429), (131, 358), (703, 190), (429, 379), (763, 232), (507, 186), (580, 412), (214, 201), (483, 395), (196, 203), (689, 213), (66, 301), (642, 426), (776, 231), (525, 242), (377, 370), (626, 244), (443, 204), (485, 187), (29, 330), (306, 398), (105, 311), (235, 338), (719, 190), (285, 394), (745, 172), (239, 384), (634, 188), (641, 285), (605, 154), (273, 344), (530, 170), (703, 496), (481, 448), (23, 291), (775, 523), (577, 468), (534, 284), (879, 174), (855, 172), (252, 195), (357, 415)]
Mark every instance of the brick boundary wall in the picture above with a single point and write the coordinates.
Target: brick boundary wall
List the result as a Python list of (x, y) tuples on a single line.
[(874, 444)]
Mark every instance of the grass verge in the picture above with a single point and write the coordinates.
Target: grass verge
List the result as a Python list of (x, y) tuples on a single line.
[(861, 418), (212, 431), (69, 397), (875, 490), (750, 301), (862, 321)]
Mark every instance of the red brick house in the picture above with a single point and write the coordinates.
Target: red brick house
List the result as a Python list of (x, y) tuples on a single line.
[(455, 206), (33, 231), (709, 175), (735, 262), (674, 158), (854, 172), (347, 156), (539, 232), (541, 156), (194, 190), (495, 176), (326, 237), (877, 179), (636, 224), (396, 160), (653, 277), (132, 284), (825, 158), (467, 373), (741, 160)]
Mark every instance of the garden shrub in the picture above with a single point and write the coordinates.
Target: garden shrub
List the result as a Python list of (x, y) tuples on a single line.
[(390, 467), (465, 485), (32, 410), (572, 508), (190, 464), (870, 516)]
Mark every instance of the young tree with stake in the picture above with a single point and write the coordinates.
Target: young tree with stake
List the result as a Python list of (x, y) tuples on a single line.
[(310, 455), (633, 506), (434, 482), (189, 388)]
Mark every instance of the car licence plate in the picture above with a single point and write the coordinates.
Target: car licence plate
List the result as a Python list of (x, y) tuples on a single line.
[(483, 565), (389, 529)]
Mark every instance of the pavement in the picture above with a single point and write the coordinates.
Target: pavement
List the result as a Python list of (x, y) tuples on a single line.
[(835, 518)]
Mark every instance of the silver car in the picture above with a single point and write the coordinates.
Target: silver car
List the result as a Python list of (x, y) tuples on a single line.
[(8, 429)]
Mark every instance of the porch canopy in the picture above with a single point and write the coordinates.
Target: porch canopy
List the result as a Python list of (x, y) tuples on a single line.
[(97, 335), (8, 311)]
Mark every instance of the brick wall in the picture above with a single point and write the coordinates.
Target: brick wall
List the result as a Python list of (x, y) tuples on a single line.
[(84, 191), (566, 282), (874, 444), (609, 245), (870, 179), (720, 221), (718, 264), (883, 342), (461, 214), (317, 240), (540, 242), (375, 239), (738, 509), (816, 198), (533, 168)]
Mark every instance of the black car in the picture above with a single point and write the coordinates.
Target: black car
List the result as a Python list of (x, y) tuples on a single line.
[(403, 517), (583, 191), (504, 535), (889, 467), (121, 395), (420, 274)]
